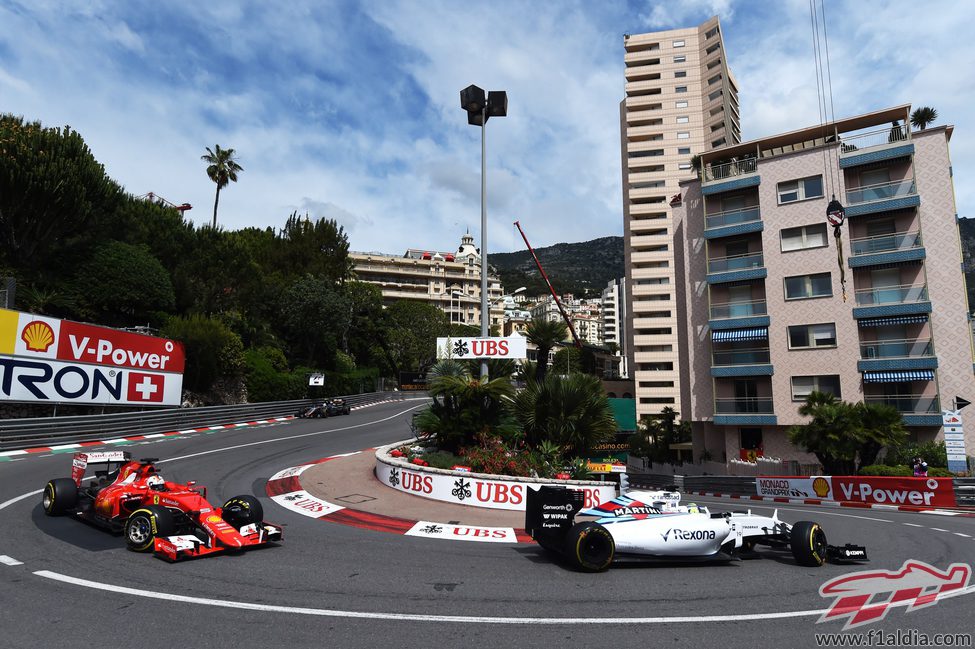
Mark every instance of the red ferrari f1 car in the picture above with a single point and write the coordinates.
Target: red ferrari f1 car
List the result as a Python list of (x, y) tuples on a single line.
[(173, 520)]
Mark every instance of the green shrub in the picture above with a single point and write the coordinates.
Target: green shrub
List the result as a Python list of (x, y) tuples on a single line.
[(268, 377), (442, 459), (884, 470), (213, 351), (934, 454)]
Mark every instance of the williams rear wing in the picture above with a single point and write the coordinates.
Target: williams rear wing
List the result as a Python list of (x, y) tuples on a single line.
[(550, 513)]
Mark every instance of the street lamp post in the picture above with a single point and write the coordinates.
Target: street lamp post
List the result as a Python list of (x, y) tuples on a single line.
[(479, 110)]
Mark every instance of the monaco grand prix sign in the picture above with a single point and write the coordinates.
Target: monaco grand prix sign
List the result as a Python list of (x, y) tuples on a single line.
[(45, 359)]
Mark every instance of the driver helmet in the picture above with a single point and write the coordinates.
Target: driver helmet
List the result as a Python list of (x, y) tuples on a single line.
[(156, 483)]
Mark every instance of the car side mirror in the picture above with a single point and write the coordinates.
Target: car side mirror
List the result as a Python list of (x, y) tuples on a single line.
[(191, 483)]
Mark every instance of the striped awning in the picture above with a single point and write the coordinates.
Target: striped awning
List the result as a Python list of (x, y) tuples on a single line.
[(893, 320), (898, 377), (739, 335)]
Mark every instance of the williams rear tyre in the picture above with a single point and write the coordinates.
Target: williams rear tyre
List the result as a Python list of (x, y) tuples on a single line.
[(60, 496), (243, 510), (145, 524), (590, 547), (808, 544)]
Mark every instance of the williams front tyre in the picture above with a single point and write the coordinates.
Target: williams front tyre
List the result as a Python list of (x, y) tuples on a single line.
[(590, 547), (808, 544)]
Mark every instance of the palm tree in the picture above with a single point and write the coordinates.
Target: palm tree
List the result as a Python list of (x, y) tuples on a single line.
[(222, 169), (571, 412), (544, 334), (923, 116)]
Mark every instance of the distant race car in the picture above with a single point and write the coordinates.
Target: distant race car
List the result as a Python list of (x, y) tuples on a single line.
[(653, 526), (316, 411), (337, 407), (173, 520)]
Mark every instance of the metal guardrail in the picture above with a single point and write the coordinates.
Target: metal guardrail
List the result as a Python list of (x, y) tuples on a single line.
[(965, 491), (47, 431)]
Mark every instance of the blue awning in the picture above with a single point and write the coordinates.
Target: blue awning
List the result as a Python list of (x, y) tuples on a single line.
[(739, 335), (898, 377), (894, 320)]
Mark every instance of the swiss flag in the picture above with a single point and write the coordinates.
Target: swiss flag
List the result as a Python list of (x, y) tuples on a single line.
[(146, 387)]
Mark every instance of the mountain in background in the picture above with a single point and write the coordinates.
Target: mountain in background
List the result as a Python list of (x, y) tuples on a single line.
[(582, 269)]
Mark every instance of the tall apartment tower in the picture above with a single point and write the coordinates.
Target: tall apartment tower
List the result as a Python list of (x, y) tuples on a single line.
[(767, 316), (681, 101)]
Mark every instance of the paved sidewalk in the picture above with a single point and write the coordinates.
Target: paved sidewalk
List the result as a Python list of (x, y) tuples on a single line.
[(350, 482)]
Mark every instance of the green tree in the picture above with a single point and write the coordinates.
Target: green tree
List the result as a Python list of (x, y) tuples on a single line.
[(123, 285), (314, 318), (411, 331), (923, 116), (53, 195), (319, 248), (464, 406), (212, 351), (544, 334), (572, 412), (571, 359), (881, 426), (222, 169)]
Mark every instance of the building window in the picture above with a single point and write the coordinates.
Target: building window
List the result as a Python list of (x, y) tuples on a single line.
[(678, 43), (802, 386), (812, 336), (684, 150), (800, 190), (683, 119), (684, 165), (680, 89), (803, 287), (680, 73), (808, 236), (681, 104), (680, 58), (683, 135)]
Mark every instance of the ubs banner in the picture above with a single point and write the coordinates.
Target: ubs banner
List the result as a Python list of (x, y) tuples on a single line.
[(59, 361)]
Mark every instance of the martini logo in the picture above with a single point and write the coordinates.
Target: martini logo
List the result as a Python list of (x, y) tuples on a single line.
[(38, 336), (821, 487), (146, 387)]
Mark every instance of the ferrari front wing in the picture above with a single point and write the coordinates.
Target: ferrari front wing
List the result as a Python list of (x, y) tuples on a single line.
[(186, 546)]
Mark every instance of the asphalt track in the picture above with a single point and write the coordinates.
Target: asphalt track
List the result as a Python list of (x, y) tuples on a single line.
[(64, 584)]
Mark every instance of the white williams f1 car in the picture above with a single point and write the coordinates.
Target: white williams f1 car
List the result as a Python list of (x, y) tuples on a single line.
[(654, 526)]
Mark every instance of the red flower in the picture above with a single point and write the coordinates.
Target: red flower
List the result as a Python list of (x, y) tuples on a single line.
[(396, 453)]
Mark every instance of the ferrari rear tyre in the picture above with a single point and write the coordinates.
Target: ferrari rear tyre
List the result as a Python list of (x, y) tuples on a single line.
[(60, 496), (243, 510), (145, 524), (590, 547), (808, 544)]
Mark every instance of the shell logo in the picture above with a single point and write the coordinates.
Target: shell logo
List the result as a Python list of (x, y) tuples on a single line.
[(38, 336), (821, 487), (213, 519)]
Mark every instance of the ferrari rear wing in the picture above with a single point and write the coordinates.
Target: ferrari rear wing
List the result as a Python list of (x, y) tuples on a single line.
[(83, 459)]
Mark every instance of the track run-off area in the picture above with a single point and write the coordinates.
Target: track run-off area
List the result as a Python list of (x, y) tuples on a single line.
[(63, 583)]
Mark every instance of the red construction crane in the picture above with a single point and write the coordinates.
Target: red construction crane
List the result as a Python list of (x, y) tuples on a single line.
[(156, 197), (568, 322)]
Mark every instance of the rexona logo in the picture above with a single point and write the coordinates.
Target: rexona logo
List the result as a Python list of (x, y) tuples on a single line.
[(688, 535), (865, 597), (38, 336)]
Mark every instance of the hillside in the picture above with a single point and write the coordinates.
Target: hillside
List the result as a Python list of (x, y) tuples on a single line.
[(579, 268)]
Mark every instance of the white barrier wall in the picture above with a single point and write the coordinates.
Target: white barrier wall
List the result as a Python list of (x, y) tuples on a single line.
[(474, 489)]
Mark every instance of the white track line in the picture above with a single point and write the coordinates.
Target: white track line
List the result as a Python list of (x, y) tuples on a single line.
[(10, 561)]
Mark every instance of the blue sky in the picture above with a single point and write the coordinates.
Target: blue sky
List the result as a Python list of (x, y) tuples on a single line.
[(351, 110)]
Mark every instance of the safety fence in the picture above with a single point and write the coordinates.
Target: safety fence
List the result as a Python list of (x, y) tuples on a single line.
[(47, 431)]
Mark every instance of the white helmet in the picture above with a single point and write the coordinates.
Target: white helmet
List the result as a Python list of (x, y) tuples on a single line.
[(155, 482)]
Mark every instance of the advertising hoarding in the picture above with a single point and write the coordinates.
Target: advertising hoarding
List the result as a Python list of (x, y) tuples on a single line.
[(465, 348)]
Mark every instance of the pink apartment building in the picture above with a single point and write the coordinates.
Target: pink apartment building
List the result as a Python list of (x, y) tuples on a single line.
[(764, 320)]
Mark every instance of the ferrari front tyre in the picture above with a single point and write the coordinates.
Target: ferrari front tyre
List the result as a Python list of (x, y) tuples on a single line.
[(145, 524), (60, 496), (243, 510), (590, 547), (808, 544)]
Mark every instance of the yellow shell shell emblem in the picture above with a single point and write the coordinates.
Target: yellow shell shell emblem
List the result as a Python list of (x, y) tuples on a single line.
[(213, 519), (38, 336)]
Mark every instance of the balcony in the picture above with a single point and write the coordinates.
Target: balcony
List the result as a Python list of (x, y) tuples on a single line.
[(741, 362), (886, 249), (897, 355), (736, 268), (744, 411), (882, 197), (733, 222), (891, 300), (917, 410), (875, 146), (735, 315), (730, 175)]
